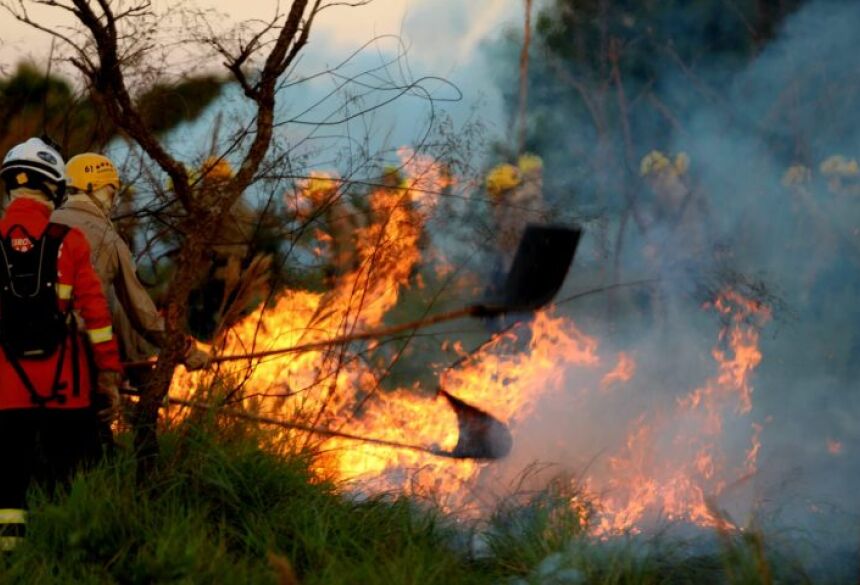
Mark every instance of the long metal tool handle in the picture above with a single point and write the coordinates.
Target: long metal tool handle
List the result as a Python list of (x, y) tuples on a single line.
[(305, 428), (470, 311), (474, 310)]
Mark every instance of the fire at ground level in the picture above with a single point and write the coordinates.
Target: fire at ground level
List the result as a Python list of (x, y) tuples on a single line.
[(658, 421)]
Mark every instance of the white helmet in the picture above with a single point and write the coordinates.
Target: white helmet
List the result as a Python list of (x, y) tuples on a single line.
[(35, 164)]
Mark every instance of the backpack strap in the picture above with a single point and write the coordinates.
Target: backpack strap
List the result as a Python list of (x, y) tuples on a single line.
[(55, 234), (36, 398), (6, 272), (57, 231)]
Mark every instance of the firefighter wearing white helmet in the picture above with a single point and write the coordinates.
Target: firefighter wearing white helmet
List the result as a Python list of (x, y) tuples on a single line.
[(35, 167), (48, 386), (93, 184)]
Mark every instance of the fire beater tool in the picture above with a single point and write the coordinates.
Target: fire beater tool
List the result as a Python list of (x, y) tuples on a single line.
[(481, 435), (542, 261), (537, 273)]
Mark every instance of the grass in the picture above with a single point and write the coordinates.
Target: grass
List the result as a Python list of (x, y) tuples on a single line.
[(223, 509)]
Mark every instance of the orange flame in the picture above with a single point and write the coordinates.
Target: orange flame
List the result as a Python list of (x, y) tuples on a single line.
[(623, 372), (671, 464), (680, 480)]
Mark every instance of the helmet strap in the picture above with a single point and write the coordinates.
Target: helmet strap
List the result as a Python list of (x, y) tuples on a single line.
[(55, 196)]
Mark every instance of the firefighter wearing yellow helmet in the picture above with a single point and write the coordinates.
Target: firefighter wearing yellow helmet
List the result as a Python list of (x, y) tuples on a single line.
[(675, 199), (93, 183), (668, 178), (677, 240), (233, 266), (807, 221), (843, 208), (842, 175), (516, 197)]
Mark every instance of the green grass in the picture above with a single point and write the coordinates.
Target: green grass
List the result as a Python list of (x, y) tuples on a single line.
[(223, 509)]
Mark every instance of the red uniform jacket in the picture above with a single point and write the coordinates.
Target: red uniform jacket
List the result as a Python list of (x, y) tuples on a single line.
[(77, 284)]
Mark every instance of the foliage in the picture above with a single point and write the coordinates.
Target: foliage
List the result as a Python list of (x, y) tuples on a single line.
[(165, 106), (33, 101), (213, 512), (221, 508), (623, 77)]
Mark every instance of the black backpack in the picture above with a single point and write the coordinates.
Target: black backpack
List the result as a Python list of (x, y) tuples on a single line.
[(32, 327)]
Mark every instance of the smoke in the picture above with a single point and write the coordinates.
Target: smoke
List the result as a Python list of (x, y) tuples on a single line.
[(795, 248)]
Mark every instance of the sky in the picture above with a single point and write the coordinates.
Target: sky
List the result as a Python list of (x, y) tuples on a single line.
[(444, 32), (443, 37)]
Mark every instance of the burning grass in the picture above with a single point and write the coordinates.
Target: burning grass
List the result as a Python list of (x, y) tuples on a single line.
[(663, 461), (224, 509), (409, 516)]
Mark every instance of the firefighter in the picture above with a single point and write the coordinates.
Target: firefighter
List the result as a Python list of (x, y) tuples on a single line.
[(842, 174), (516, 200), (669, 181), (516, 197), (843, 207), (839, 284), (232, 261), (677, 242), (810, 240), (48, 427), (93, 184)]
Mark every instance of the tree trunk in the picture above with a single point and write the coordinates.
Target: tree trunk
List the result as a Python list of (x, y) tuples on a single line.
[(524, 80), (191, 257)]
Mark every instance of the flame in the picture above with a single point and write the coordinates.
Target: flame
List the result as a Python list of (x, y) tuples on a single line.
[(425, 177), (623, 372), (670, 465), (681, 480)]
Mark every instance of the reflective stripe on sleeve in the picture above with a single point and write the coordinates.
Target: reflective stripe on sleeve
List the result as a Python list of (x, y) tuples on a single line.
[(13, 525), (101, 335), (10, 543), (13, 516), (64, 291)]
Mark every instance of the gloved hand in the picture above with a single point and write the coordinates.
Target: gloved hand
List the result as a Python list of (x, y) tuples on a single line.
[(107, 385), (195, 358)]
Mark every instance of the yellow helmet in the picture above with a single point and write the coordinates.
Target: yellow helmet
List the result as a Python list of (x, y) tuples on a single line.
[(502, 178), (796, 175), (840, 166), (653, 162), (656, 162), (319, 186), (530, 162), (682, 163), (90, 172), (216, 170)]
